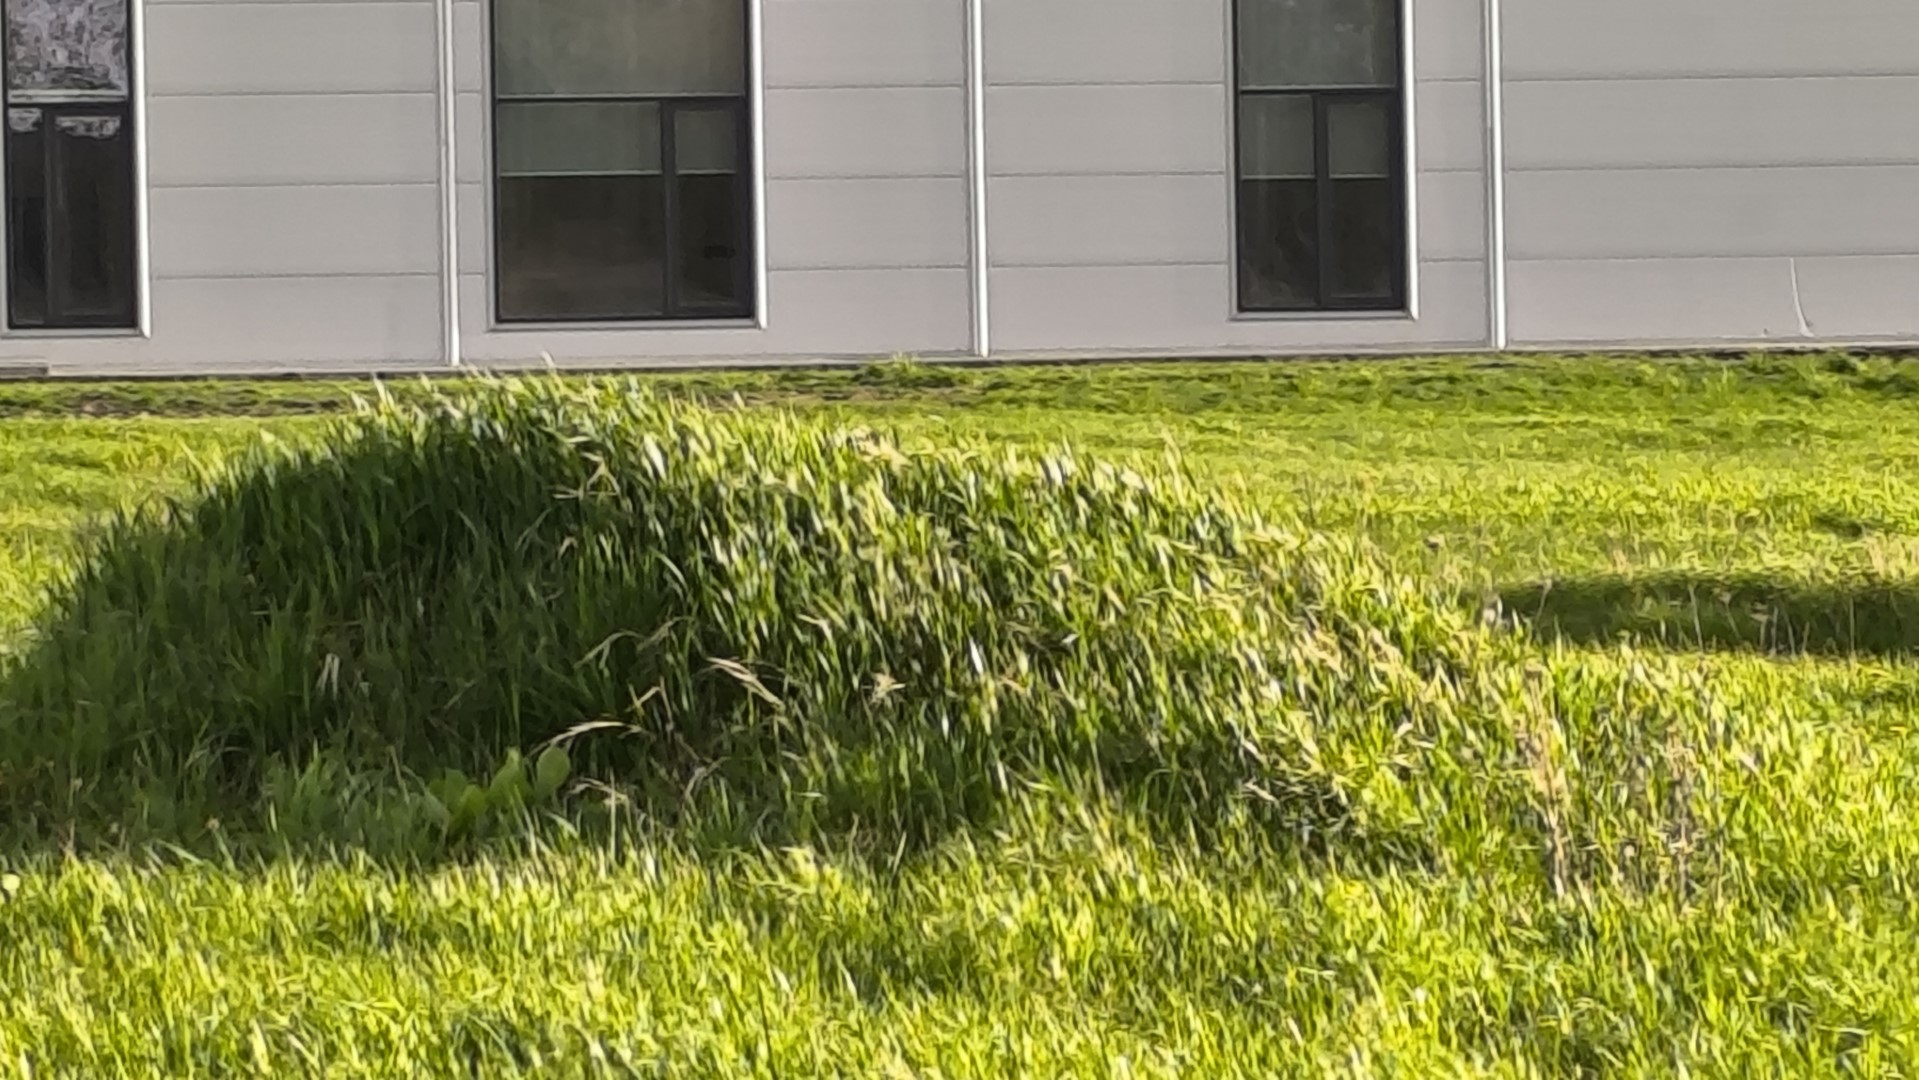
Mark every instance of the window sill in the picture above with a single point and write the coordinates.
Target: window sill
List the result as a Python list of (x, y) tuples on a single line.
[(68, 333), (1362, 315), (649, 326)]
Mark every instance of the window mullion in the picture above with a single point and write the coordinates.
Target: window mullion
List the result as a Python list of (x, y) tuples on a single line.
[(746, 230), (670, 195), (1396, 166), (54, 226), (1322, 200)]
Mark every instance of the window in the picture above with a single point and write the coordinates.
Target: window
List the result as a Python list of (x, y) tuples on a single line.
[(1322, 199), (619, 153), (69, 173)]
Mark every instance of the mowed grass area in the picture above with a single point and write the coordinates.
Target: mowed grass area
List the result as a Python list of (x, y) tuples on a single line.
[(1751, 526)]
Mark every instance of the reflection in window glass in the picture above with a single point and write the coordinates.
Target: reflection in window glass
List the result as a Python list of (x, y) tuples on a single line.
[(1363, 240), (1289, 44), (1320, 193), (1279, 198), (711, 271), (94, 267), (67, 49), (71, 258), (580, 247), (619, 129), (26, 218), (629, 48)]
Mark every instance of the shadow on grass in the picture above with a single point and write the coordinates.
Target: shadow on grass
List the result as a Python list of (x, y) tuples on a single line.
[(1730, 612), (349, 639)]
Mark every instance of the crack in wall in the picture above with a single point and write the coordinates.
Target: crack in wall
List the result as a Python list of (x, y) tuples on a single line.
[(1798, 300)]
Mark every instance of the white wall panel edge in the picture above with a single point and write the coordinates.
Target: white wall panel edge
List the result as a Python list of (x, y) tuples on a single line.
[(1628, 345)]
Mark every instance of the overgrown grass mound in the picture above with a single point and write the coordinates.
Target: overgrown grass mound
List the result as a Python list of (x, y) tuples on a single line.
[(759, 623)]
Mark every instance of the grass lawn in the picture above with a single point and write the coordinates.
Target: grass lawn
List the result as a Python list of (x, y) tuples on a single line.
[(1752, 525)]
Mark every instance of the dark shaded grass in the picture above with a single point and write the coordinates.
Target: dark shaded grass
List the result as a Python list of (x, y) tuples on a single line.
[(1748, 611), (755, 629), (760, 628)]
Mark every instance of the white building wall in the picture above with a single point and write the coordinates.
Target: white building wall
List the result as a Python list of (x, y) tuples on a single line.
[(865, 194), (292, 187), (1109, 154), (1708, 172), (1678, 173)]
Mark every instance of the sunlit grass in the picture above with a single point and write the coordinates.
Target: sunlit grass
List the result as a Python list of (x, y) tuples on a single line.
[(1696, 856)]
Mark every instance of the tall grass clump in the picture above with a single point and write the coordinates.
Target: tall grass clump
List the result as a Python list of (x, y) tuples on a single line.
[(779, 623)]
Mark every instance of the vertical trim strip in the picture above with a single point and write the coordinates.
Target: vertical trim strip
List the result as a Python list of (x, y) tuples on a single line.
[(1231, 177), (669, 118), (976, 175), (1409, 148), (756, 121), (1322, 107), (443, 25), (1495, 178), (142, 220)]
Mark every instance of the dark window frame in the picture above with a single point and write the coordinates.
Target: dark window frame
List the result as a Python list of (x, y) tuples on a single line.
[(52, 107), (669, 106), (1321, 98)]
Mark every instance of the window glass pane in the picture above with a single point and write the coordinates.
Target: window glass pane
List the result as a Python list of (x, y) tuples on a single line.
[(1358, 139), (1364, 257), (580, 47), (66, 49), (94, 219), (1317, 43), (1276, 136), (584, 138), (706, 141), (1278, 244), (581, 247), (69, 176), (711, 204), (1364, 202), (26, 218)]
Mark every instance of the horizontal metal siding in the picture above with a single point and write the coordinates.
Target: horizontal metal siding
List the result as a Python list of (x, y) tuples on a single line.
[(263, 324), (865, 132), (1116, 42), (294, 159), (320, 138), (1658, 213), (1712, 171), (367, 319), (317, 46), (1119, 129), (1745, 122), (1188, 309), (1108, 211), (897, 223), (1070, 220), (1571, 39), (291, 155), (814, 313), (832, 43), (1074, 220), (296, 231), (1650, 302), (865, 148), (292, 208)]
